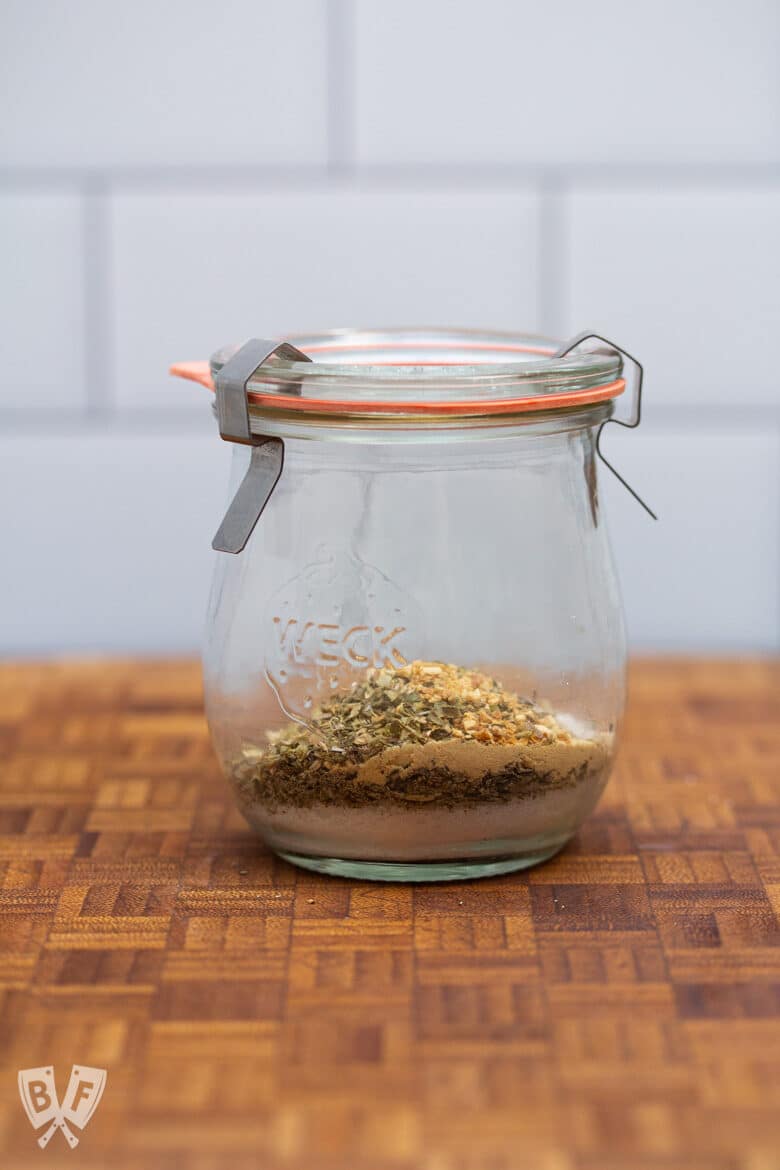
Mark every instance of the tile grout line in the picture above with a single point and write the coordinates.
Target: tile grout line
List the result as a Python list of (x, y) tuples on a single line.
[(342, 164), (551, 247), (341, 88), (97, 328)]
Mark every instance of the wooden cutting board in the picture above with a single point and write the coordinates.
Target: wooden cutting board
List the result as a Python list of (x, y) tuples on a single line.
[(618, 1007)]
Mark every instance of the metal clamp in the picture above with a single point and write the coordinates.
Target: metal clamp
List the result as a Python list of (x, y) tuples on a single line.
[(636, 413), (267, 458)]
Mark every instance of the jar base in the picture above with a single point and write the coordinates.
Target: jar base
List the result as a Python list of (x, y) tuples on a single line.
[(453, 870)]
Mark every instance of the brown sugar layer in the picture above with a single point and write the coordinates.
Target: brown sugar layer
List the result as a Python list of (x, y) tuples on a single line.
[(426, 734)]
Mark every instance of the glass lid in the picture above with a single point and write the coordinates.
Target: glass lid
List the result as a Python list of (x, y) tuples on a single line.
[(423, 373)]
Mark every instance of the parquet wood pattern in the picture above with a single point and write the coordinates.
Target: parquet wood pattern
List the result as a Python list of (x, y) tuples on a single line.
[(615, 1009)]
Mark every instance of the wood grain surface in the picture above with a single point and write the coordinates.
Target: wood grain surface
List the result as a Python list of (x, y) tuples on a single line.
[(617, 1008)]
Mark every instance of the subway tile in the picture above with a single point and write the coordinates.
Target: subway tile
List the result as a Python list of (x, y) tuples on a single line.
[(126, 565), (706, 575), (41, 300), (564, 82), (94, 84), (193, 272), (688, 280), (108, 540)]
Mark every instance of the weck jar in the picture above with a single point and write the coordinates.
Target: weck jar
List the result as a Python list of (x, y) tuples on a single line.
[(414, 662)]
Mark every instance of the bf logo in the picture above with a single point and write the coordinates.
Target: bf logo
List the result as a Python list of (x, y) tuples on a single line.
[(82, 1097)]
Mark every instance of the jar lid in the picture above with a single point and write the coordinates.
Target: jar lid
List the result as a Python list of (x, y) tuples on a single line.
[(424, 374)]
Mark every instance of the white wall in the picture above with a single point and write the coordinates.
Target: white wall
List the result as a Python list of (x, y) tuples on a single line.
[(175, 174)]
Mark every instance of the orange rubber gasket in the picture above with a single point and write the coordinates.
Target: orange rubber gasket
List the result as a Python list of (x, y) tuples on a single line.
[(201, 372)]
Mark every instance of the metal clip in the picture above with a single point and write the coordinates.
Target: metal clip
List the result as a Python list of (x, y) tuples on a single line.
[(636, 415), (267, 458)]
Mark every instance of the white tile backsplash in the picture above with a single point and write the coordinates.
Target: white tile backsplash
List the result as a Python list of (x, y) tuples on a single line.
[(119, 558), (687, 279), (542, 167), (41, 300), (193, 272), (175, 83), (108, 540), (565, 82), (705, 575)]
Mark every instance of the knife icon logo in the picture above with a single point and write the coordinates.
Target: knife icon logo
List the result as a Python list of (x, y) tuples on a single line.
[(82, 1097)]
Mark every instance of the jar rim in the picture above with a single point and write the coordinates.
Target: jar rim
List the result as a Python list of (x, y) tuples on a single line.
[(418, 373)]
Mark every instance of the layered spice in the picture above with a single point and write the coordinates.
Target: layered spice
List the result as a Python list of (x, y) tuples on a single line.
[(426, 733)]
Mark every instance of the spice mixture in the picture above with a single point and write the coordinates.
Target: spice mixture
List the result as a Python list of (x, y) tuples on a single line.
[(429, 733)]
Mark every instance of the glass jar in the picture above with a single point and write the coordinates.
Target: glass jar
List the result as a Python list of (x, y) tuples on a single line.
[(414, 670)]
